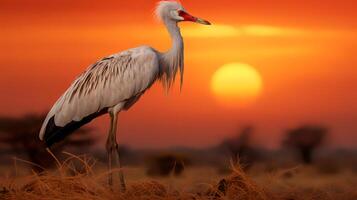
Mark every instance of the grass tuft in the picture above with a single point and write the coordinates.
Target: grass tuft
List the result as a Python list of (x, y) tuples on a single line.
[(76, 179)]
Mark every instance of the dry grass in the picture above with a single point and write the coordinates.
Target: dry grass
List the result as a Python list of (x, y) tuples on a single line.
[(70, 182)]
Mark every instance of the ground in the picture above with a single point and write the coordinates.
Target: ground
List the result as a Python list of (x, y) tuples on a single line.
[(197, 182)]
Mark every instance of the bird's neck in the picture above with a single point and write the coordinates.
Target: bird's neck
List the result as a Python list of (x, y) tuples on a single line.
[(172, 60)]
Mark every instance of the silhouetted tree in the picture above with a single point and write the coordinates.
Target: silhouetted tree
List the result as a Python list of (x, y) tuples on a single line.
[(240, 148), (305, 139), (20, 136)]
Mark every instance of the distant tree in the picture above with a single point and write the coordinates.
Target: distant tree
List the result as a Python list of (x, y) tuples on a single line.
[(20, 136), (240, 148), (165, 164), (305, 139)]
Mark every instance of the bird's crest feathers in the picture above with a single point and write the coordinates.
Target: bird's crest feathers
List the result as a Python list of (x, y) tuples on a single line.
[(162, 8)]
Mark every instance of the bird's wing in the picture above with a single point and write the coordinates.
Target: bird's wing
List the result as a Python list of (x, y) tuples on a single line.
[(111, 81)]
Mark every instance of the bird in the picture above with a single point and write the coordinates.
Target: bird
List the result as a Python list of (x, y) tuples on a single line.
[(116, 82)]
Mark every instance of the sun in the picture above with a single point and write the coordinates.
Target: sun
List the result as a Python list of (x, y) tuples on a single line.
[(237, 84)]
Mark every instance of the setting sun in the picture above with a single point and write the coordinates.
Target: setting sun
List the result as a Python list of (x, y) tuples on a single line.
[(236, 83)]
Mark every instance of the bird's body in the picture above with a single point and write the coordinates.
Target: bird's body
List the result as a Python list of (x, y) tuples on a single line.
[(116, 82)]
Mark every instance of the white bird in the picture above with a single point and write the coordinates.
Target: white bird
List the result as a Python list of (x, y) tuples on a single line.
[(116, 82)]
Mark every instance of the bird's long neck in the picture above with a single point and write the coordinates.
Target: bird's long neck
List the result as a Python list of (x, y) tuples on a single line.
[(172, 60)]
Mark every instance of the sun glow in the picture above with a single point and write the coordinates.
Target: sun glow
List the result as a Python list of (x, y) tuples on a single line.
[(236, 84), (218, 30), (250, 30)]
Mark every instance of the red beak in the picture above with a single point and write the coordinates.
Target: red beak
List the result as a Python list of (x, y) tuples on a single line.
[(188, 17)]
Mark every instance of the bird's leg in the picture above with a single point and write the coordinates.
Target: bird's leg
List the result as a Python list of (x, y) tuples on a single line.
[(117, 158), (109, 148), (112, 147), (121, 174)]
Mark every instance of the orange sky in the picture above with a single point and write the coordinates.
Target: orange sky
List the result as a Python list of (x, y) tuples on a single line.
[(305, 52)]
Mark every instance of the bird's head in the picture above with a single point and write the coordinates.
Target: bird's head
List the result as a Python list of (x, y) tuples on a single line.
[(171, 10)]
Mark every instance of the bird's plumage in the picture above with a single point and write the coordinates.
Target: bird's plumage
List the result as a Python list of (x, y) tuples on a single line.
[(172, 60), (116, 80)]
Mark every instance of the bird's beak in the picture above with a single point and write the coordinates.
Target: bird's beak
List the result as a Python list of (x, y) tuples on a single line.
[(189, 17), (202, 21)]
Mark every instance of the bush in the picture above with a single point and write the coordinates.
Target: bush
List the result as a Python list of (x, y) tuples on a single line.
[(165, 164)]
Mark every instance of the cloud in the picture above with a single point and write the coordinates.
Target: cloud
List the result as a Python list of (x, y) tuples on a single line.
[(221, 30), (210, 31), (260, 30)]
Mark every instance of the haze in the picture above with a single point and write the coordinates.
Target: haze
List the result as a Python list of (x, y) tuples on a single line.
[(304, 51)]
